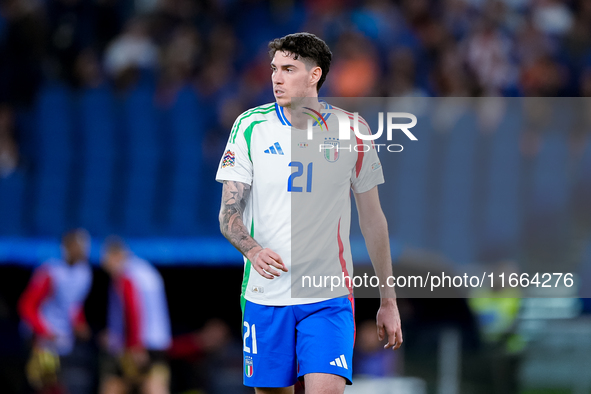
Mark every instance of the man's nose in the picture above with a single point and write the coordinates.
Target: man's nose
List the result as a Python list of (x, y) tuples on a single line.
[(278, 77)]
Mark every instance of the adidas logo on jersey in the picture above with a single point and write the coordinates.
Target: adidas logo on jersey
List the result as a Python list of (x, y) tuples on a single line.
[(275, 149), (340, 362)]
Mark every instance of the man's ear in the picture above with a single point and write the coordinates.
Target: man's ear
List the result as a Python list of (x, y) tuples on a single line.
[(315, 75)]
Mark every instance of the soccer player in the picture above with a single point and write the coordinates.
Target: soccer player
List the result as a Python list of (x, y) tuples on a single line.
[(138, 333), (52, 307), (289, 337)]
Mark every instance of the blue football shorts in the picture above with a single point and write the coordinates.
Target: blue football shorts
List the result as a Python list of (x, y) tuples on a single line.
[(283, 343)]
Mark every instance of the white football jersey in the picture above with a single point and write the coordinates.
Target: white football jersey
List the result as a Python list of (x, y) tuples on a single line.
[(300, 204)]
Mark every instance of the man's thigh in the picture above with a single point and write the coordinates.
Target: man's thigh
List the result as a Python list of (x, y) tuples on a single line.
[(274, 390), (268, 334), (322, 383)]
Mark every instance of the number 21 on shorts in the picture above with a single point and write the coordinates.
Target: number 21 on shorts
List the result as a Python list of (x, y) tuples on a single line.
[(250, 332)]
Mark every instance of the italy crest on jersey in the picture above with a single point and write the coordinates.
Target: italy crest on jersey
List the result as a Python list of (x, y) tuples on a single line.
[(330, 149), (248, 366)]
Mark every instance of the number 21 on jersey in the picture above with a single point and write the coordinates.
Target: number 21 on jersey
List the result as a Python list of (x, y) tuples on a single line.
[(250, 331), (298, 173)]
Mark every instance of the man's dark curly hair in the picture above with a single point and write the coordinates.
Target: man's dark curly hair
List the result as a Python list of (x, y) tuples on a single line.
[(308, 47)]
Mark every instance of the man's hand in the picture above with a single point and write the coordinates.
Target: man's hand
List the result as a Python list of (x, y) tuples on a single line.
[(265, 261), (388, 322), (82, 332), (139, 356), (133, 362), (48, 336)]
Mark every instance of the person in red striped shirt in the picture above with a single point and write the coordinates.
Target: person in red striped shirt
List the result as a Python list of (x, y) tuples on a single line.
[(138, 324), (52, 311)]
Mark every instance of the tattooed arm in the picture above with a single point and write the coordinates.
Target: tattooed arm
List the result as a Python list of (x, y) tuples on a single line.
[(234, 197)]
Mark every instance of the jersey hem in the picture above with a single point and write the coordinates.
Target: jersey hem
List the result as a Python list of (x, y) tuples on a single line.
[(292, 301), (221, 179), (368, 189)]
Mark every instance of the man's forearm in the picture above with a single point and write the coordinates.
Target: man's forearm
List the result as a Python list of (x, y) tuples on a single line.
[(378, 247), (375, 231), (234, 197)]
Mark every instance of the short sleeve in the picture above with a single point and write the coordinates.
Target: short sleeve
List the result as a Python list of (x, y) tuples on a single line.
[(367, 172), (235, 164)]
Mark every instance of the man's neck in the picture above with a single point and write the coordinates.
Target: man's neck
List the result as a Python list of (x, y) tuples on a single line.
[(293, 113)]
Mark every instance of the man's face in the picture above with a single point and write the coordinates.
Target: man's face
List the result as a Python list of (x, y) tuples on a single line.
[(291, 78), (78, 247), (113, 261)]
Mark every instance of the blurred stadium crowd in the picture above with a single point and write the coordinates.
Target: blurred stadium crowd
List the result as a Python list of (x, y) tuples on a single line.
[(114, 114), (384, 48)]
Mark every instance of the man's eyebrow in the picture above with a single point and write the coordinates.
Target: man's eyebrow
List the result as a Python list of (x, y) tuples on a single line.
[(284, 66)]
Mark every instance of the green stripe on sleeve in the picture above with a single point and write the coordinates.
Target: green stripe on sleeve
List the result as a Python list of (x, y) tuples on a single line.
[(248, 113), (235, 131), (248, 134)]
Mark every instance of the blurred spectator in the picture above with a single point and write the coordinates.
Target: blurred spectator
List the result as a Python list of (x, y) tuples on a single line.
[(456, 17), (586, 83), (402, 81), (22, 51), (531, 44), (487, 53), (355, 71), (211, 338), (88, 73), (52, 308), (544, 77), (450, 77), (71, 25), (131, 53), (138, 325), (8, 149), (179, 59), (381, 22), (107, 22), (415, 11), (497, 309), (552, 16), (209, 359), (168, 15)]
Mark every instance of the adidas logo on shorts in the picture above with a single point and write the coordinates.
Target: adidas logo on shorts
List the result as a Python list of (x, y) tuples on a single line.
[(340, 362)]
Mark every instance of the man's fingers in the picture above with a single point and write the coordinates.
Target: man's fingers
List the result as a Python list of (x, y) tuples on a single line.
[(260, 267), (262, 272), (270, 270), (394, 339), (277, 261), (398, 339), (381, 333), (391, 339), (274, 263), (267, 258), (268, 264), (264, 265), (265, 261)]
